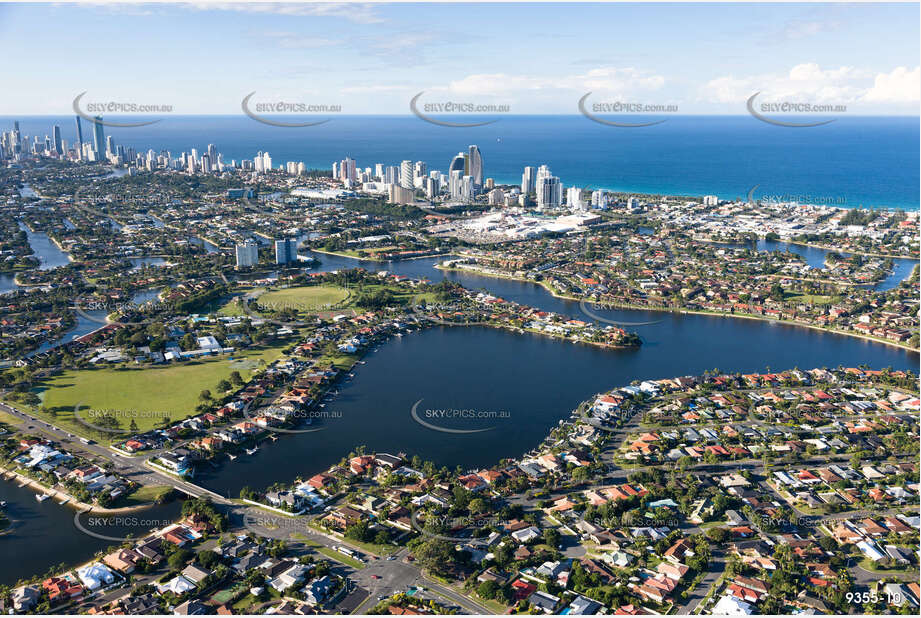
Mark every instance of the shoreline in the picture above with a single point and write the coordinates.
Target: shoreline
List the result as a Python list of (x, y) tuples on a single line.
[(364, 259), (852, 252), (688, 311), (819, 247), (37, 487)]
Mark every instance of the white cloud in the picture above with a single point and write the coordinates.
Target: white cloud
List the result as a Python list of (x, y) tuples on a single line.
[(293, 40), (804, 29), (358, 13), (902, 85), (806, 82), (604, 80)]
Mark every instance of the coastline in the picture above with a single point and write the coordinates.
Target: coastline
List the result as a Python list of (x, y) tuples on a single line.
[(553, 293), (37, 487), (819, 247), (851, 252), (364, 259)]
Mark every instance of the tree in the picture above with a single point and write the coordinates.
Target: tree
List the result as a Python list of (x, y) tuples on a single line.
[(488, 589), (437, 555), (478, 505), (205, 395), (777, 292), (178, 558), (208, 559), (188, 342), (717, 534), (552, 537), (236, 378), (223, 386)]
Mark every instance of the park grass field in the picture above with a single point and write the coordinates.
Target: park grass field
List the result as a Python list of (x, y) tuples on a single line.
[(231, 309), (146, 394), (8, 419), (310, 298), (146, 494)]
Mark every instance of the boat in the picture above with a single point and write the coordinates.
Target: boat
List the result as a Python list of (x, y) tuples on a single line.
[(2, 503), (252, 451), (42, 497), (232, 457)]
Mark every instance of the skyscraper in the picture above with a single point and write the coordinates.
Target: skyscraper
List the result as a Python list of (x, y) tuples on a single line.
[(247, 254), (528, 180), (285, 251), (458, 164), (419, 174), (600, 199), (56, 138), (475, 165), (549, 191), (347, 171), (79, 134), (455, 186), (99, 137), (406, 174), (574, 198), (431, 187)]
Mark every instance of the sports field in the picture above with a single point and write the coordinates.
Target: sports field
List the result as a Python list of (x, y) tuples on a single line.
[(308, 299), (145, 395)]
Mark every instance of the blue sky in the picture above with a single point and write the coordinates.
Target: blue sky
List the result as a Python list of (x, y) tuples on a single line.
[(535, 58)]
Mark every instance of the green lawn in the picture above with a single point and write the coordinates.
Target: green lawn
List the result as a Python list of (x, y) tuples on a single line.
[(868, 565), (232, 309), (813, 299), (144, 394), (309, 298), (147, 494), (9, 420)]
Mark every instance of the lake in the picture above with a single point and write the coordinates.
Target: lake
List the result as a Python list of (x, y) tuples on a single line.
[(537, 380)]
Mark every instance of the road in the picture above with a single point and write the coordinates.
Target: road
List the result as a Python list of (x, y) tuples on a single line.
[(715, 569)]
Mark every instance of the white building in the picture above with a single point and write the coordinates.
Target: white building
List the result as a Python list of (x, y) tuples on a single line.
[(247, 254), (406, 175), (528, 180), (574, 198), (549, 192)]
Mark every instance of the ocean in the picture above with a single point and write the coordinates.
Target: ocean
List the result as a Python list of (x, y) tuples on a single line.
[(853, 162)]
